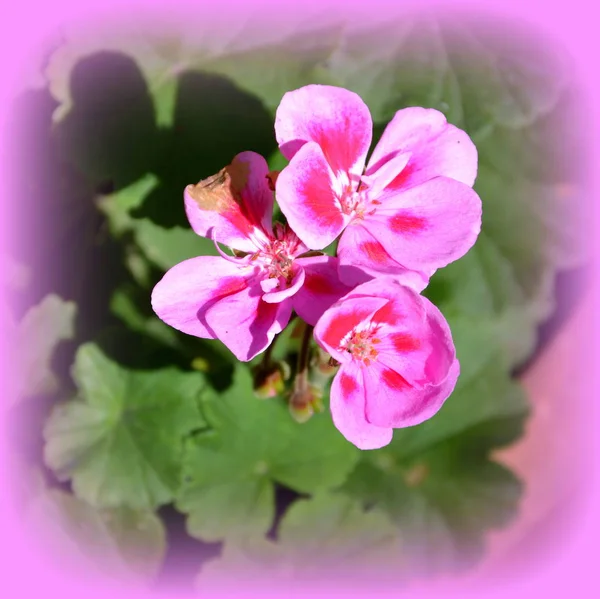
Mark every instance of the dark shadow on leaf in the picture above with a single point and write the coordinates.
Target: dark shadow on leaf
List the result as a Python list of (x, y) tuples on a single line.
[(110, 132), (214, 120)]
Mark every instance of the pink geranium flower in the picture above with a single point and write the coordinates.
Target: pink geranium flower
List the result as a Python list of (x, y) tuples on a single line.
[(412, 208), (244, 300), (397, 360)]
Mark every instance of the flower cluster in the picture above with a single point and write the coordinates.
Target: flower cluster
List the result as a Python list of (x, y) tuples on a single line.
[(407, 211)]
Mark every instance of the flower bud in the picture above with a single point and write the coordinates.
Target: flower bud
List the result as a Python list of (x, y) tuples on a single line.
[(305, 402), (324, 364), (269, 379)]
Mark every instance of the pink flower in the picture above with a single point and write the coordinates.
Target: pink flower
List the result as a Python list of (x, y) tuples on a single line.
[(246, 299), (397, 360), (412, 208)]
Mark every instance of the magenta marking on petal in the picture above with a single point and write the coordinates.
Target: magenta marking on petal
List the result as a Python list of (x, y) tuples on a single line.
[(374, 251), (347, 384), (394, 380), (388, 314), (404, 342), (407, 223), (342, 324)]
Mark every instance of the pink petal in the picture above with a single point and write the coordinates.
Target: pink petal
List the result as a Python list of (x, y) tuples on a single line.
[(413, 336), (391, 401), (347, 406), (399, 302), (237, 203), (245, 323), (437, 148), (443, 353), (305, 193), (335, 118), (419, 344), (321, 289), (185, 292), (428, 226), (362, 258), (384, 175), (341, 319), (285, 290)]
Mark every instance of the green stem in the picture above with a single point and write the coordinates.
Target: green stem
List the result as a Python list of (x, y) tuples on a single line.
[(301, 383), (267, 360)]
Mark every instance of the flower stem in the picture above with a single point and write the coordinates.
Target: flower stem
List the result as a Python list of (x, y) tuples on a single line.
[(303, 359), (267, 356)]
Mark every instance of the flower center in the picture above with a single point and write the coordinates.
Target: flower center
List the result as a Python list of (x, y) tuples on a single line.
[(351, 201), (356, 203), (278, 260), (360, 344), (277, 256)]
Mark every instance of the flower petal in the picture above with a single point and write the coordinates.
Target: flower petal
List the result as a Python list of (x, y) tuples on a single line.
[(245, 323), (428, 226), (393, 402), (321, 289), (418, 344), (236, 202), (437, 148), (413, 337), (306, 195), (384, 175), (187, 290), (362, 258), (347, 406), (335, 118), (341, 319)]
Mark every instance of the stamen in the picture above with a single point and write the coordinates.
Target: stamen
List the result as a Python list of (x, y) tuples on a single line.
[(359, 343), (240, 261)]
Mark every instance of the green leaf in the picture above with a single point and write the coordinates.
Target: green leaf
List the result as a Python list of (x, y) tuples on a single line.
[(463, 67), (167, 247), (442, 502), (328, 536), (120, 542), (488, 307), (37, 335), (123, 305), (162, 247), (331, 531), (117, 206), (229, 471), (120, 441), (436, 480)]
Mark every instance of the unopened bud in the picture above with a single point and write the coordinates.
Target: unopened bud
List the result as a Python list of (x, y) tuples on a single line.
[(325, 365), (269, 379), (305, 402)]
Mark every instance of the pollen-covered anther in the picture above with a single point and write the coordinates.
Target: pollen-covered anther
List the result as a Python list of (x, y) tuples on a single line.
[(361, 345), (352, 202)]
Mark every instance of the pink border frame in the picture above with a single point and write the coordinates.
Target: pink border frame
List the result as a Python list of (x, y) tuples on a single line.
[(26, 27)]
